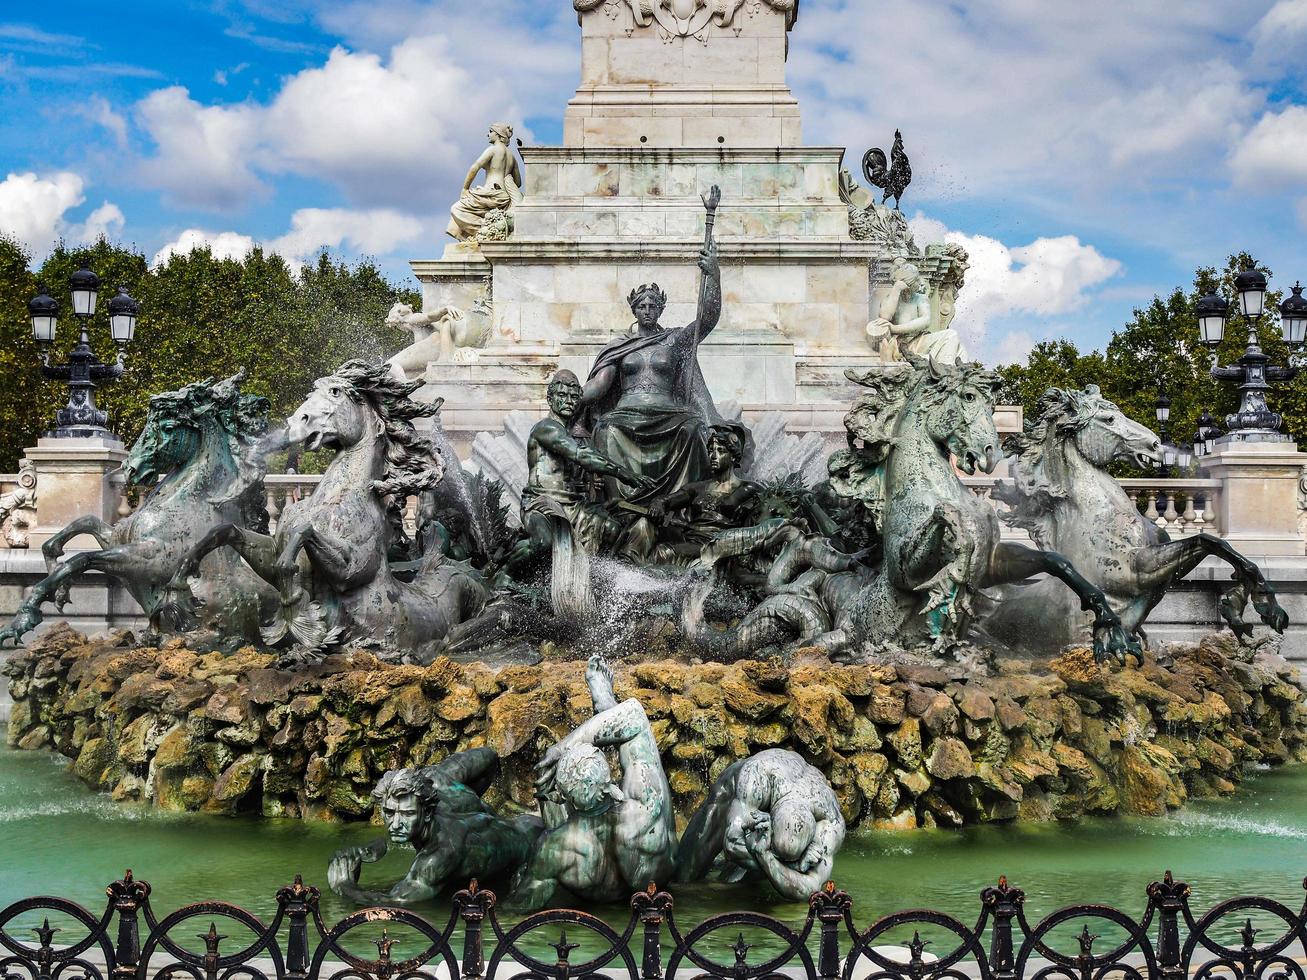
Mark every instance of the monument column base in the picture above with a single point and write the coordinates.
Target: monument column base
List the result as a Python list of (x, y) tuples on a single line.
[(1258, 506), (74, 480)]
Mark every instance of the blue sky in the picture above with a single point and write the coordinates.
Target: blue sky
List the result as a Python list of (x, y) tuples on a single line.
[(1088, 156)]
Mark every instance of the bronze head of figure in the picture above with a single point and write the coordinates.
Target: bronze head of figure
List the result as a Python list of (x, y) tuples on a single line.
[(408, 806), (564, 394), (647, 302)]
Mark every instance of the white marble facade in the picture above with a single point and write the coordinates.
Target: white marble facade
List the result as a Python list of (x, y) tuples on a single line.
[(659, 117)]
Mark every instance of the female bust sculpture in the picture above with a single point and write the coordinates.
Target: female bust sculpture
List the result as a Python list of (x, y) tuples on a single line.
[(501, 190), (646, 402)]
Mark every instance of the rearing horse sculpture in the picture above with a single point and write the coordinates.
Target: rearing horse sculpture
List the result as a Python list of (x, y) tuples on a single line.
[(329, 554), (1063, 495), (200, 454), (941, 541)]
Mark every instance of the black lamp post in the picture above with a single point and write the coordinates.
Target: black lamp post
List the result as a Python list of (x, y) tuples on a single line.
[(1169, 453), (1254, 373), (80, 418), (1204, 439)]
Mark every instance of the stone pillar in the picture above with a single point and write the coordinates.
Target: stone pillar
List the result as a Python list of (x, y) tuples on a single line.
[(1258, 506), (73, 480)]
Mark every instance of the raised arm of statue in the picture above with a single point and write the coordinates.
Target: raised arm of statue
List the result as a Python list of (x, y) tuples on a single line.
[(474, 768), (710, 280)]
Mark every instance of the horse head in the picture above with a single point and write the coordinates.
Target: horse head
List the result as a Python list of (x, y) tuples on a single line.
[(955, 407), (197, 423), (363, 401), (1097, 429)]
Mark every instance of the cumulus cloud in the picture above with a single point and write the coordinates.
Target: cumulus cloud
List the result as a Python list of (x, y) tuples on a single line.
[(1023, 98), (1280, 35), (376, 231), (34, 210), (385, 131), (203, 153), (1047, 278), (1274, 153)]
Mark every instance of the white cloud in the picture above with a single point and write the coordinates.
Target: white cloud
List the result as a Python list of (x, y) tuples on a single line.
[(223, 245), (1274, 153), (311, 229), (386, 131), (34, 210), (1281, 33), (376, 231), (1047, 278), (106, 221), (203, 153)]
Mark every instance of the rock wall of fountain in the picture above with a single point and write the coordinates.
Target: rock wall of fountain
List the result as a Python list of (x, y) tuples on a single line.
[(904, 746)]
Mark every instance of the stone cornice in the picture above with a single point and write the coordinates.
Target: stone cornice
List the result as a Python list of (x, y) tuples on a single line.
[(683, 154), (625, 251)]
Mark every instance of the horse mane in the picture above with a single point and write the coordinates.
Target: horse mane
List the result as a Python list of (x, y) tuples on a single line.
[(874, 418), (242, 419), (1034, 490), (413, 463)]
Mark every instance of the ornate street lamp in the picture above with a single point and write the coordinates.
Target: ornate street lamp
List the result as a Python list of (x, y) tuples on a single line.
[(1169, 453), (1204, 439), (1254, 373), (80, 418)]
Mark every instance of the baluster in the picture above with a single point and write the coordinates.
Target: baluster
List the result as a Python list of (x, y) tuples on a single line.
[(1150, 511), (832, 906), (1170, 897), (127, 896), (1004, 903), (411, 515), (1134, 498), (124, 504), (473, 903), (1190, 516), (298, 902), (1170, 515), (274, 509)]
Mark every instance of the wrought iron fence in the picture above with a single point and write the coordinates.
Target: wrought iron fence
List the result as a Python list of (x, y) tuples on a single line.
[(1169, 942)]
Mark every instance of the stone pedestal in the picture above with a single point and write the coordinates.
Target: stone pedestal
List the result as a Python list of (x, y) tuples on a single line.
[(1258, 506), (74, 480)]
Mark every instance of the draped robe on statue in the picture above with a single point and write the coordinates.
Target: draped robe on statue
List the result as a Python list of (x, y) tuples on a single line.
[(667, 444)]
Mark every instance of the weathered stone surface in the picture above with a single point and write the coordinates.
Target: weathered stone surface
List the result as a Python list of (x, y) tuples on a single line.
[(903, 747)]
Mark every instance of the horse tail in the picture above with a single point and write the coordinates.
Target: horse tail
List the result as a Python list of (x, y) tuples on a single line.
[(570, 589), (778, 619)]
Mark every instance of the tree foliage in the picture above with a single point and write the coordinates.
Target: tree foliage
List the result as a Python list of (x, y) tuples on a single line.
[(1159, 350), (201, 316)]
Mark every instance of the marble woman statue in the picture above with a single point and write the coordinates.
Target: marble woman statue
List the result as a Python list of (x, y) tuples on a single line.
[(501, 190), (646, 403), (906, 324)]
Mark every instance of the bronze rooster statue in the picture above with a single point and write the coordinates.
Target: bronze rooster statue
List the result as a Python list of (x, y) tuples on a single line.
[(892, 175)]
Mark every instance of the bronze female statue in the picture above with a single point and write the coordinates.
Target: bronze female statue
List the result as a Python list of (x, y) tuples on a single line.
[(646, 402)]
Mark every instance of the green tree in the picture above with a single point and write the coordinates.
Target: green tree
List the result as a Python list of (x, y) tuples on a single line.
[(201, 316), (1159, 349)]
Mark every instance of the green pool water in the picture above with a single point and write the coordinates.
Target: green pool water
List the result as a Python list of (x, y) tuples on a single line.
[(57, 837)]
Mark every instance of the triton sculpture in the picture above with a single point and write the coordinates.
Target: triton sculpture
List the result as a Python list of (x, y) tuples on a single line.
[(438, 811)]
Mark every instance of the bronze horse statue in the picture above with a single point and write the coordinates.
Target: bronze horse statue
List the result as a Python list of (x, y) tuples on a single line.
[(329, 555), (941, 546), (1062, 494), (201, 458)]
